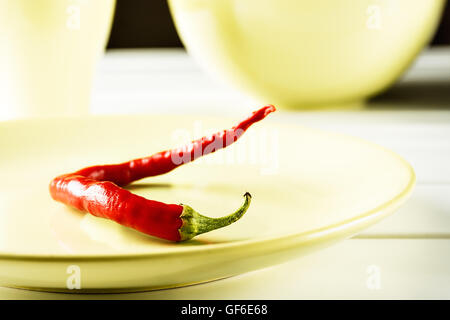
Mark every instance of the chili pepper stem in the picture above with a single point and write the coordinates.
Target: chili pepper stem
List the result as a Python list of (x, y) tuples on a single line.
[(194, 223)]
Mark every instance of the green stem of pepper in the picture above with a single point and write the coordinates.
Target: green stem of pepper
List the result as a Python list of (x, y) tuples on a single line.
[(194, 223)]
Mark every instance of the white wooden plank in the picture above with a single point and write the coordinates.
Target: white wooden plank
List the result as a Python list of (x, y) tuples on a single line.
[(147, 60), (432, 64), (352, 269), (160, 81)]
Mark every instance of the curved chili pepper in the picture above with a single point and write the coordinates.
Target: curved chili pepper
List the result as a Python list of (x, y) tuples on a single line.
[(97, 189)]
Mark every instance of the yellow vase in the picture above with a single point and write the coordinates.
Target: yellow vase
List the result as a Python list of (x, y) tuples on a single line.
[(307, 53)]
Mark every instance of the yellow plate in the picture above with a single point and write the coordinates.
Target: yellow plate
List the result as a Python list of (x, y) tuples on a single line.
[(310, 188)]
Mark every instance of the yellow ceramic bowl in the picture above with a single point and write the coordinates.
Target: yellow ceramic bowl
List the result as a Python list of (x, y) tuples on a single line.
[(307, 53)]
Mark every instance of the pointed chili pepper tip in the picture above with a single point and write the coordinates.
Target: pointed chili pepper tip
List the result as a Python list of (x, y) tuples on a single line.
[(269, 108), (194, 223)]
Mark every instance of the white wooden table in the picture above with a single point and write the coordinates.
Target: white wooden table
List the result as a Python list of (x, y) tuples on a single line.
[(405, 256)]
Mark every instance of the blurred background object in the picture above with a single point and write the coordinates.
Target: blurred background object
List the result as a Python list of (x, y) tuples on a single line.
[(146, 24), (48, 53)]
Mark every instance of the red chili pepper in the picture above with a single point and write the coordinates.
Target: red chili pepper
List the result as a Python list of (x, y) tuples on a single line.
[(97, 189)]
